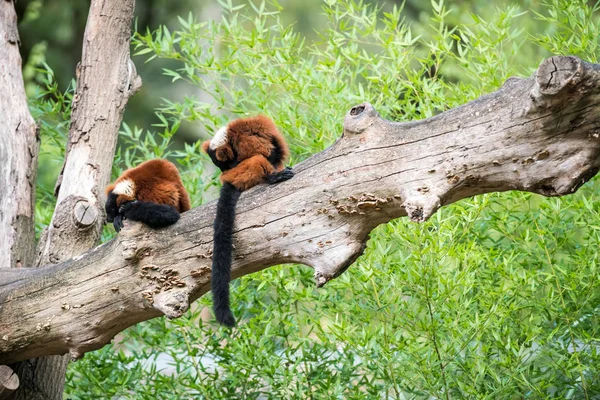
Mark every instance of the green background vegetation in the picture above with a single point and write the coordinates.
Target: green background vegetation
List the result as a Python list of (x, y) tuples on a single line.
[(497, 296)]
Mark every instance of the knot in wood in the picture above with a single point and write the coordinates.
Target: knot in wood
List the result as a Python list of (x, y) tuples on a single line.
[(556, 72), (129, 249), (359, 118), (172, 304), (85, 214), (9, 381), (76, 354)]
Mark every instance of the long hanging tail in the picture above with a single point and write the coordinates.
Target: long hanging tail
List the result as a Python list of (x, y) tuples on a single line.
[(223, 247)]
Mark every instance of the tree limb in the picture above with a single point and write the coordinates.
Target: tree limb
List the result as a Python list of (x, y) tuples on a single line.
[(540, 135)]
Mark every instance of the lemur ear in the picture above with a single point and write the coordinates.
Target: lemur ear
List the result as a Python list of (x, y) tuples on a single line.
[(205, 146), (224, 153), (109, 188)]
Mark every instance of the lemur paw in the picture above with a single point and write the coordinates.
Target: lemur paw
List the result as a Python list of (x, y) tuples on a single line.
[(280, 176), (127, 206), (118, 222)]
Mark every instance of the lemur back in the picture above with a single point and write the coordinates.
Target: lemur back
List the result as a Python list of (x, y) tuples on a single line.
[(151, 193)]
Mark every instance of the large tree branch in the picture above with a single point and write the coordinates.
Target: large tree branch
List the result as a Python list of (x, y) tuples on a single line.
[(540, 135)]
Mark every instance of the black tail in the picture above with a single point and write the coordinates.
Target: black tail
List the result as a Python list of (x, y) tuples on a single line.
[(152, 214), (223, 247)]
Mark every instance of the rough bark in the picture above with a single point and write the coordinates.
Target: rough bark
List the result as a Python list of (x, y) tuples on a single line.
[(106, 79), (19, 145), (18, 151), (540, 134)]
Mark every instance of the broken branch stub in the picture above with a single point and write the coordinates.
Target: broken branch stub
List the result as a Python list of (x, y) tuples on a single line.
[(9, 382), (539, 134)]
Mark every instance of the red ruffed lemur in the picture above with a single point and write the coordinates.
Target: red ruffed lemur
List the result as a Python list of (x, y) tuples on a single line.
[(151, 193), (248, 151)]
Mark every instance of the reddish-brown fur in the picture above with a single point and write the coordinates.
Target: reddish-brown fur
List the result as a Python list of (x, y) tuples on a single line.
[(252, 139), (156, 181), (248, 173), (248, 152)]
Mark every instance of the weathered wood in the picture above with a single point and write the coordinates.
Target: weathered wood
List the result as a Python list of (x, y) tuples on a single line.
[(9, 382), (540, 134), (19, 144), (106, 79)]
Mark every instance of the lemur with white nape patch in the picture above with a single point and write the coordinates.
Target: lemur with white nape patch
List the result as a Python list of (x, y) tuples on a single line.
[(248, 151), (151, 193)]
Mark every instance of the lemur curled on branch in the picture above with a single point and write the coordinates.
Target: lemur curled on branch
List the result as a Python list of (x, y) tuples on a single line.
[(248, 151), (151, 193)]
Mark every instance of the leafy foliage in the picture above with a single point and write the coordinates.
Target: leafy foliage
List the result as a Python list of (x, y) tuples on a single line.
[(497, 296), (51, 109)]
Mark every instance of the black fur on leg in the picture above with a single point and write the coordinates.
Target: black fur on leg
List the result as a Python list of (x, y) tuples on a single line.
[(223, 247), (112, 210), (118, 222), (152, 214), (280, 176)]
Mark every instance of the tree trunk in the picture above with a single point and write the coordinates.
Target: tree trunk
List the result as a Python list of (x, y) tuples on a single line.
[(540, 135), (18, 151), (18, 167), (106, 79)]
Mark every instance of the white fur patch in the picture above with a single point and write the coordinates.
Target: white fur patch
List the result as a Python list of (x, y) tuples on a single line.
[(125, 187), (219, 139)]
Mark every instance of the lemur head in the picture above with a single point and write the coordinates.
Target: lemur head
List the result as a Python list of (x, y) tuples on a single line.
[(117, 194), (220, 151)]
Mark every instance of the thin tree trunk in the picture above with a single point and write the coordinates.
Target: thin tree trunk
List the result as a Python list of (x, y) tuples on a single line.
[(19, 145)]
